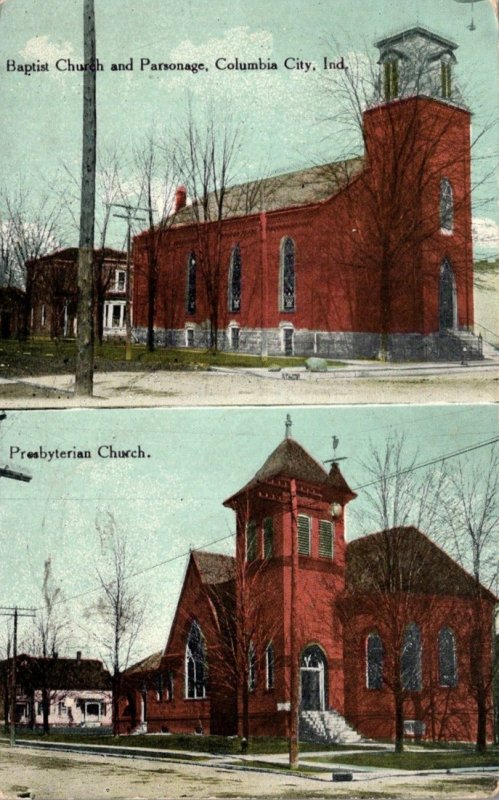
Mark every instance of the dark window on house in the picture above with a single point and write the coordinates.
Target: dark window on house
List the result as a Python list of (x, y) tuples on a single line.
[(234, 338), (268, 537), (119, 280), (191, 284), (410, 661), (447, 657), (235, 280), (446, 205), (325, 539), (159, 686), (251, 667), (251, 541), (303, 535), (288, 258), (446, 79), (269, 666), (195, 664), (374, 659), (391, 79)]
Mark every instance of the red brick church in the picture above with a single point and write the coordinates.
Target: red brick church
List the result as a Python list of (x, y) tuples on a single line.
[(363, 257), (385, 635)]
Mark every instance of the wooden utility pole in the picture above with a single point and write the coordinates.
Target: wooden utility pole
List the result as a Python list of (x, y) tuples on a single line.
[(14, 612), (129, 216), (84, 378), (294, 667)]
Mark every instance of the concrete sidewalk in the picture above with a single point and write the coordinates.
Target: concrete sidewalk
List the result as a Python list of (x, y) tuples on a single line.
[(356, 382)]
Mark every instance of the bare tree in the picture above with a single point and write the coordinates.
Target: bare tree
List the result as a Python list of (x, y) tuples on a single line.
[(471, 508), (388, 572), (118, 614), (27, 232), (206, 160), (154, 163)]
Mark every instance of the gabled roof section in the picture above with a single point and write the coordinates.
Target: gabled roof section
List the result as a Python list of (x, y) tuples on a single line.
[(405, 560), (416, 32), (291, 460), (147, 664), (70, 255), (63, 673), (289, 190), (214, 568)]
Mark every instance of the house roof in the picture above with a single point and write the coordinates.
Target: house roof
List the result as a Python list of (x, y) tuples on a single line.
[(62, 673), (70, 255), (287, 190), (148, 663), (404, 559), (214, 568), (291, 460)]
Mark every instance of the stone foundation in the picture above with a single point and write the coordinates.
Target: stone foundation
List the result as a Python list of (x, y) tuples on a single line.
[(446, 346)]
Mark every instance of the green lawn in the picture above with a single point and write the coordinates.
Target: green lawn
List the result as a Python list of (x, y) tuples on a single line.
[(38, 356), (427, 759)]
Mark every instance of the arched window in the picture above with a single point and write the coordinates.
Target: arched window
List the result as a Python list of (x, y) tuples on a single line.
[(374, 661), (191, 284), (268, 537), (447, 657), (235, 280), (410, 660), (446, 205), (251, 667), (269, 666), (288, 257), (195, 664)]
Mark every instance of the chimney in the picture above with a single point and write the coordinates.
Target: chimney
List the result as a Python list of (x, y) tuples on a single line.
[(180, 198), (78, 655)]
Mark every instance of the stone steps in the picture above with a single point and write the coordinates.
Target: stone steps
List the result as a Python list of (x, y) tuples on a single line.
[(327, 727)]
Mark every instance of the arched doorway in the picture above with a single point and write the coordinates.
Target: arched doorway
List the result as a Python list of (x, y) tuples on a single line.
[(313, 679), (447, 297)]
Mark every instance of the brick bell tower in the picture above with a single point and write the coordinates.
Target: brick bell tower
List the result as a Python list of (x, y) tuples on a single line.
[(291, 496), (418, 211)]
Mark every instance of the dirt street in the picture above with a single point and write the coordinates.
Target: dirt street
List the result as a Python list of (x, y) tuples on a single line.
[(59, 776)]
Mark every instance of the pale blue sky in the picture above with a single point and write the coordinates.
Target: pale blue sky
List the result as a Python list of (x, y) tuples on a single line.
[(283, 112), (173, 500)]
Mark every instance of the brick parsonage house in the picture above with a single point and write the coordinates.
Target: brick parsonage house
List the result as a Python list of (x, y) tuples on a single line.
[(356, 258), (387, 633)]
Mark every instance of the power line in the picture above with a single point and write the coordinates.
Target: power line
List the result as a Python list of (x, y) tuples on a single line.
[(413, 468)]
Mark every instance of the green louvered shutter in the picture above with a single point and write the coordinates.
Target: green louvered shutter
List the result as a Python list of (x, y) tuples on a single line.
[(251, 541), (268, 537), (303, 535), (325, 539)]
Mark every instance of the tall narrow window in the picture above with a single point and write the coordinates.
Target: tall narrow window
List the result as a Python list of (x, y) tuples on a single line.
[(446, 205), (191, 284), (303, 535), (447, 657), (195, 664), (410, 661), (288, 258), (269, 666), (374, 661), (251, 667), (159, 686), (445, 78), (235, 280), (268, 537), (391, 79), (251, 541), (325, 539)]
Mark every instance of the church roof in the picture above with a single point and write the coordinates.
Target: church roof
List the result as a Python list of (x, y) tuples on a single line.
[(214, 568), (291, 460), (404, 559), (416, 31), (287, 190), (151, 662)]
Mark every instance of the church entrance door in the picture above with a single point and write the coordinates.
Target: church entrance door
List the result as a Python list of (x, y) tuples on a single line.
[(313, 679), (447, 298)]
